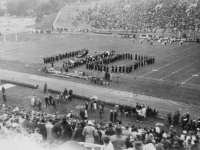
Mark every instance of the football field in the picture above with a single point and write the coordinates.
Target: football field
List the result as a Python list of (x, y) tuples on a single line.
[(176, 65)]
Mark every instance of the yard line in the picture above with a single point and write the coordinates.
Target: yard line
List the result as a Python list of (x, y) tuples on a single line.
[(168, 64), (167, 49), (179, 70), (177, 52), (154, 53), (189, 79)]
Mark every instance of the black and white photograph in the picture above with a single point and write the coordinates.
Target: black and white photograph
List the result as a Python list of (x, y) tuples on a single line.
[(100, 74)]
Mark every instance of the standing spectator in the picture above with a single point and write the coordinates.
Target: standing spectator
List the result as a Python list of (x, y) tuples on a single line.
[(39, 104), (100, 111), (86, 114), (54, 103), (118, 140), (92, 106), (95, 105), (4, 97), (89, 132), (115, 115), (3, 90), (111, 116), (42, 128), (46, 101), (49, 128), (127, 132), (77, 136), (65, 92), (82, 114), (62, 130), (70, 94), (50, 99), (33, 101), (166, 142), (159, 145), (45, 87), (111, 77), (117, 78)]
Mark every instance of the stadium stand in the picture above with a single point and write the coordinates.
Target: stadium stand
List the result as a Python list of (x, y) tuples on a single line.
[(49, 131)]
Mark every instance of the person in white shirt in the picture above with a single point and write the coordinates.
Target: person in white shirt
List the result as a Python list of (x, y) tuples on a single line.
[(33, 101), (49, 127), (107, 144), (157, 129)]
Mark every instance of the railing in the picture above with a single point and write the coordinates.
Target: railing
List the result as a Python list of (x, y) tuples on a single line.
[(89, 146)]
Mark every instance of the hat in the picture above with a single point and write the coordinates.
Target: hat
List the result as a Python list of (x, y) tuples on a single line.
[(184, 132), (90, 123), (164, 135), (118, 129), (138, 145)]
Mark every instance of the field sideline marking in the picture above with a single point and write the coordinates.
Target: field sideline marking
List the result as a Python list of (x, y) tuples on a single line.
[(170, 63), (179, 70), (161, 80), (189, 79)]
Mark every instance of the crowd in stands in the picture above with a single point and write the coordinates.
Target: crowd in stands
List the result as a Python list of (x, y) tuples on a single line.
[(49, 131), (145, 16)]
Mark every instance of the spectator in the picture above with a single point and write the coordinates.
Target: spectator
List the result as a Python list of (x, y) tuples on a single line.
[(42, 129), (77, 136), (159, 146), (107, 144), (127, 132), (62, 130), (118, 140), (110, 131), (89, 132), (166, 142), (49, 128)]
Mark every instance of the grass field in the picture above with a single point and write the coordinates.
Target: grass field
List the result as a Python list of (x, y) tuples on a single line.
[(174, 76), (21, 95)]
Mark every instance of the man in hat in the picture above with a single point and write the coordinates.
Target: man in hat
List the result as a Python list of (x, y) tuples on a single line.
[(118, 140)]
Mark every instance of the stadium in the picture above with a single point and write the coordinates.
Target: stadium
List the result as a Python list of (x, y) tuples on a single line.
[(95, 72)]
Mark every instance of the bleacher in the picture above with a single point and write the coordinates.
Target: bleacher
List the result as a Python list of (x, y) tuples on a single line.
[(68, 16)]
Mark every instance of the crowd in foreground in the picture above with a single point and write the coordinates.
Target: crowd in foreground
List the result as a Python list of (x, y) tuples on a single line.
[(25, 128)]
